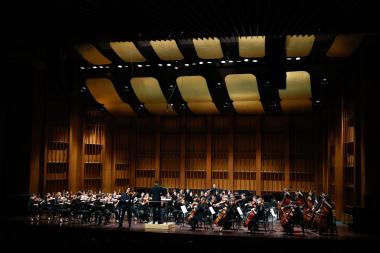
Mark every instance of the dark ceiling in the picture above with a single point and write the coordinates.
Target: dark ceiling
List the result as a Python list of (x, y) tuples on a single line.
[(52, 28), (112, 20)]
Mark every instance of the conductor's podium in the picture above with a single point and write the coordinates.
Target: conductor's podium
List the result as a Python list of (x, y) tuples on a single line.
[(164, 227)]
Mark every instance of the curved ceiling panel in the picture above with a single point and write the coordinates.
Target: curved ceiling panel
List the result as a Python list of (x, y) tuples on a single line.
[(296, 105), (344, 45), (299, 46), (160, 109), (208, 48), (242, 87), (167, 50), (104, 93), (203, 108), (148, 91), (297, 86), (252, 46), (127, 51), (92, 55), (248, 107), (193, 88), (297, 95), (195, 92)]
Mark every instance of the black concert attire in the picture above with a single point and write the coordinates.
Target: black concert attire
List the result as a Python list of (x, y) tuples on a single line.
[(125, 205), (156, 192)]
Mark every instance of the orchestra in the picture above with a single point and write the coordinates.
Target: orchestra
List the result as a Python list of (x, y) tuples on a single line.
[(223, 209)]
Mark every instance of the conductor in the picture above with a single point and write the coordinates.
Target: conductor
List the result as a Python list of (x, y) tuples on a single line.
[(156, 192)]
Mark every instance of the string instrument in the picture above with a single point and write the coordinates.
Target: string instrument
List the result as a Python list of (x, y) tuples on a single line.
[(287, 215), (220, 216), (250, 217)]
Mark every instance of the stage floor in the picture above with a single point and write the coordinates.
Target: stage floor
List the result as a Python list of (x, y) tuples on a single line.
[(93, 236)]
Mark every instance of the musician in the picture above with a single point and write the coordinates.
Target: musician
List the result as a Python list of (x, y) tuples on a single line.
[(156, 192), (125, 205), (213, 190)]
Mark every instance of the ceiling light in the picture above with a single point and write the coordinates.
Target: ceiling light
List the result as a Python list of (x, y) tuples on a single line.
[(139, 65), (254, 60), (94, 67), (107, 67), (298, 58), (246, 60), (209, 62), (238, 61), (175, 67), (223, 62), (82, 67), (119, 66), (186, 65), (193, 64), (160, 64), (201, 62), (168, 64), (289, 58), (147, 65), (100, 67), (230, 61)]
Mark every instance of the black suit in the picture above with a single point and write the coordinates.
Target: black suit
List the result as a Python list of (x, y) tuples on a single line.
[(125, 204), (156, 192)]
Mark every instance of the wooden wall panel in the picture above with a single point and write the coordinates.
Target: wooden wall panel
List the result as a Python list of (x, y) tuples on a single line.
[(93, 150), (122, 155), (56, 166)]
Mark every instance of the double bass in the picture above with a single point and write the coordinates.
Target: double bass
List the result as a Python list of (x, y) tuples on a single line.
[(221, 216)]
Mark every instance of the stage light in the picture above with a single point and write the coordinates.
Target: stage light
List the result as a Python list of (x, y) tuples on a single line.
[(201, 62), (168, 64), (82, 67), (147, 65), (230, 61), (254, 60), (119, 66), (223, 62), (186, 65), (193, 64), (175, 67), (238, 61), (107, 67), (289, 58), (139, 65), (324, 81), (246, 60), (100, 67), (298, 58), (94, 67), (209, 62), (160, 64)]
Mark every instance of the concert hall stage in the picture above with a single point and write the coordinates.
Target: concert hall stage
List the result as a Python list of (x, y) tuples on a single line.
[(19, 232)]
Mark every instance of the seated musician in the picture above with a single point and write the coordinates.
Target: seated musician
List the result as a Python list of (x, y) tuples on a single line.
[(197, 213)]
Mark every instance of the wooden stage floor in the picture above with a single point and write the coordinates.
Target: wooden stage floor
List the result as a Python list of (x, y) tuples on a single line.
[(92, 236)]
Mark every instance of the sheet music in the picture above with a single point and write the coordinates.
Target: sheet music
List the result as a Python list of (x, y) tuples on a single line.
[(240, 211), (273, 213), (212, 210), (184, 210)]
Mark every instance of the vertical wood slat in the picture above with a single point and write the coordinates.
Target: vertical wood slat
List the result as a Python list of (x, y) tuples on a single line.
[(258, 156), (287, 154), (208, 153), (157, 149), (182, 155), (230, 152)]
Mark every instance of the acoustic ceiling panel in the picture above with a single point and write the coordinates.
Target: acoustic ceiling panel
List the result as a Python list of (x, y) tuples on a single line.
[(208, 48), (148, 91), (160, 109), (167, 50), (252, 46), (297, 86), (344, 45), (248, 107), (203, 108), (92, 55), (242, 87), (299, 46), (104, 93), (195, 92), (297, 95), (127, 51), (193, 89), (296, 105)]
